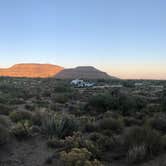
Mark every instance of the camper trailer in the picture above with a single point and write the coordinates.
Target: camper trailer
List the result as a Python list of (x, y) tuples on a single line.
[(81, 83)]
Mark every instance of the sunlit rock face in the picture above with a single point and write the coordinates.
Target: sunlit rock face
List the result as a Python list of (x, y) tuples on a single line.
[(31, 70)]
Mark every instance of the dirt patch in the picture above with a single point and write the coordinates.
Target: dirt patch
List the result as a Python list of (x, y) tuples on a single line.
[(31, 152)]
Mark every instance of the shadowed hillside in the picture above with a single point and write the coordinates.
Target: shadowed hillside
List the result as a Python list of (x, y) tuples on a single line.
[(83, 72)]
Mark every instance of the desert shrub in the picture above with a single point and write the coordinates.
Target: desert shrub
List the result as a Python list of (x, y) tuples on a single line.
[(136, 154), (103, 142), (54, 107), (4, 134), (115, 101), (20, 115), (94, 136), (55, 143), (62, 88), (99, 103), (74, 141), (14, 101), (158, 122), (129, 104), (5, 109), (34, 130), (5, 121), (90, 126), (130, 121), (112, 114), (87, 123), (46, 93), (150, 138), (60, 98), (4, 129), (59, 125), (77, 140), (78, 157), (128, 83), (115, 125), (4, 99), (41, 103), (163, 100), (30, 107), (21, 129), (38, 116), (164, 141), (12, 92)]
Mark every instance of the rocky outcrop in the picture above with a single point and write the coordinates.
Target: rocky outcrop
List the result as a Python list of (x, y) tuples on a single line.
[(82, 72), (31, 70)]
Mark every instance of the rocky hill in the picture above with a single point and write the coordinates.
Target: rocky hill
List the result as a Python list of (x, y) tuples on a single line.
[(83, 72), (31, 70)]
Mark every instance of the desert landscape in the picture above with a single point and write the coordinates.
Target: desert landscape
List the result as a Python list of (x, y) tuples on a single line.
[(48, 121), (82, 82)]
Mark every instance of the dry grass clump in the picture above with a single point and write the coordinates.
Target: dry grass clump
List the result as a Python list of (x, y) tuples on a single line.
[(142, 143)]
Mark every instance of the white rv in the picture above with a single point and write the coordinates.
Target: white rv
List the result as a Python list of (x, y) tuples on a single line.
[(81, 83)]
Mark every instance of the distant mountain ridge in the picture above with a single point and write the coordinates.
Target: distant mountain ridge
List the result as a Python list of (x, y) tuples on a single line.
[(83, 72), (31, 70), (35, 70)]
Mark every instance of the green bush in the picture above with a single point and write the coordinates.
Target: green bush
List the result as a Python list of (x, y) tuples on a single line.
[(103, 142), (61, 98), (164, 141), (131, 121), (158, 122), (87, 123), (90, 127), (78, 157), (112, 114), (62, 88), (21, 130), (138, 136), (115, 125), (4, 134), (59, 125), (4, 99), (20, 115), (55, 143), (30, 107), (115, 101), (163, 100), (77, 140), (5, 109), (4, 129), (100, 103)]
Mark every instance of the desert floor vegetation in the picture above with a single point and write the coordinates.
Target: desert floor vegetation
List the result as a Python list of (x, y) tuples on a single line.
[(48, 122)]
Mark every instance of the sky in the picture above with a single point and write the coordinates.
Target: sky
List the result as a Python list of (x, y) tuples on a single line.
[(126, 38)]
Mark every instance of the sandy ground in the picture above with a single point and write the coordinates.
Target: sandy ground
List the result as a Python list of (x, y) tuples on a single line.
[(31, 152), (34, 152)]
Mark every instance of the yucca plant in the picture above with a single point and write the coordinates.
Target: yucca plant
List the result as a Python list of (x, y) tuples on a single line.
[(59, 125), (137, 154)]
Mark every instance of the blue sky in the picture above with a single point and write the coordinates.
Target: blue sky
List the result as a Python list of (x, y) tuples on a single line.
[(126, 38)]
